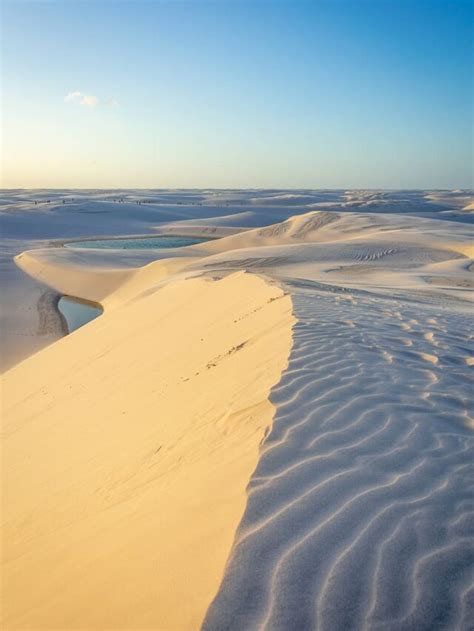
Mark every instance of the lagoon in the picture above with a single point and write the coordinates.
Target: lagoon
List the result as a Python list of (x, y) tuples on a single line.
[(138, 243), (77, 312)]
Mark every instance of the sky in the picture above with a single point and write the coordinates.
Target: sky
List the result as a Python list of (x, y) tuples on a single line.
[(237, 94)]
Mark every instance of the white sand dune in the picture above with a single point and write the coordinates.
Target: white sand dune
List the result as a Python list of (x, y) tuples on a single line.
[(288, 448)]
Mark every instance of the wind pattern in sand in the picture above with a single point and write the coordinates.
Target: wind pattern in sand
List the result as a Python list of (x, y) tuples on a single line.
[(360, 513)]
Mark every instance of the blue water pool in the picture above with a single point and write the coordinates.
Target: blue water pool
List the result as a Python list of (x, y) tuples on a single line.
[(139, 243), (77, 312)]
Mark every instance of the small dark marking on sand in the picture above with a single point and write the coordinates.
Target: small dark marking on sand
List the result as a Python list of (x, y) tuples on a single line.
[(51, 321), (231, 351)]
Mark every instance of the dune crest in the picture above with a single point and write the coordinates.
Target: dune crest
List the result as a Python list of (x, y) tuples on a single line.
[(109, 287), (128, 446)]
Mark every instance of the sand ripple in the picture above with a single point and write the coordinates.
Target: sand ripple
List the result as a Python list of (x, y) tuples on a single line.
[(361, 511)]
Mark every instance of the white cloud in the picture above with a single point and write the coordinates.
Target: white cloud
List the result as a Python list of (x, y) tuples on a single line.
[(88, 100)]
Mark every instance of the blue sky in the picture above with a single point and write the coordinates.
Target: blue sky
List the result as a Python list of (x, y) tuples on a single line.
[(336, 93)]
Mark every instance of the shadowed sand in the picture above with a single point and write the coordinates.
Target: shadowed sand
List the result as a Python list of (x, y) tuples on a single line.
[(360, 511), (199, 462)]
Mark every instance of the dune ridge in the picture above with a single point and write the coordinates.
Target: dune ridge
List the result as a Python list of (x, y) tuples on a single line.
[(108, 287), (127, 449)]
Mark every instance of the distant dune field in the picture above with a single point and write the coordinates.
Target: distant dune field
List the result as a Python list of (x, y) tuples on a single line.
[(268, 430)]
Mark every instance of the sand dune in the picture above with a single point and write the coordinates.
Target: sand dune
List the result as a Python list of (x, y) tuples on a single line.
[(325, 226), (38, 218), (272, 430), (61, 271), (127, 448)]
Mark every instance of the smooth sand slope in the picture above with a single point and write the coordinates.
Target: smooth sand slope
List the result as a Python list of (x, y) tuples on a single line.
[(127, 449), (142, 489)]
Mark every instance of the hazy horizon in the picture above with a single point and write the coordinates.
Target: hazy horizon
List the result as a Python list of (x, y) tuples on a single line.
[(228, 188)]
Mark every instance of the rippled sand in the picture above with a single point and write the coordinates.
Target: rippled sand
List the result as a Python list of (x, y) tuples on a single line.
[(360, 512)]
